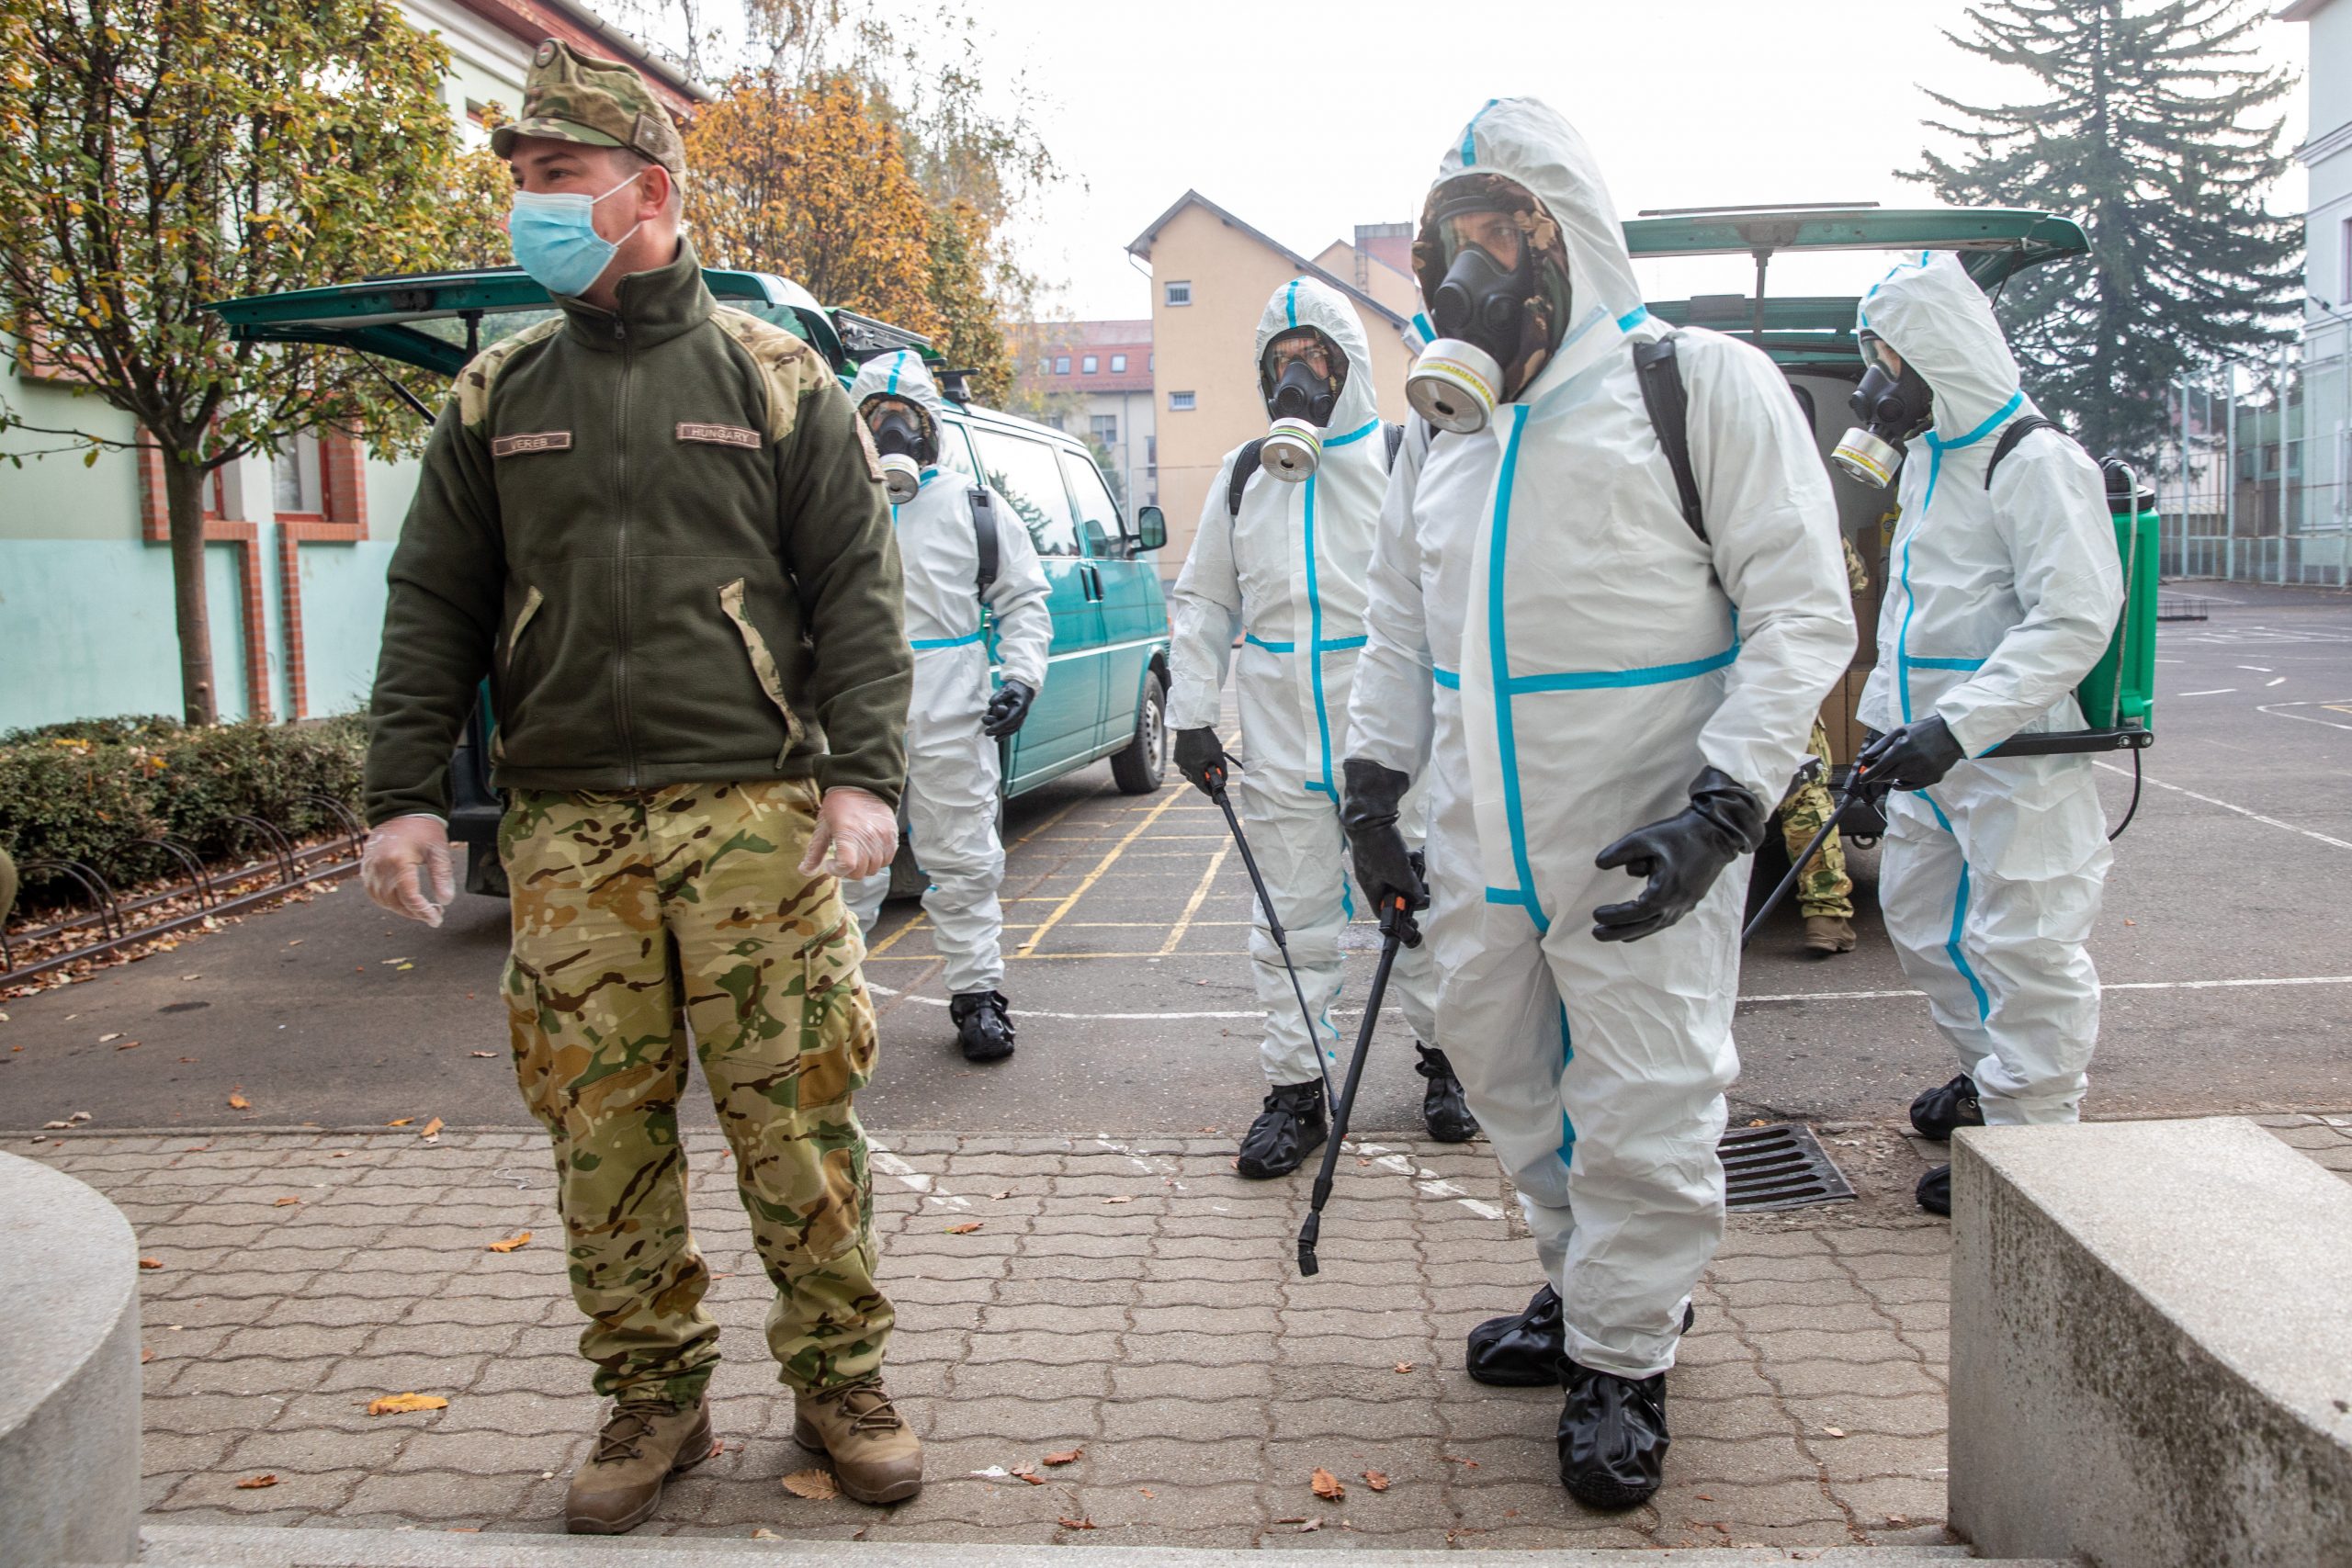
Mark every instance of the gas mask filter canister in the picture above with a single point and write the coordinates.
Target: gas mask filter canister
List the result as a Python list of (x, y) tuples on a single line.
[(1893, 409), (1478, 310)]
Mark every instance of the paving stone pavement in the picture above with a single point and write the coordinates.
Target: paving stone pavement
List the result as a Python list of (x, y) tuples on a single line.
[(1134, 1301)]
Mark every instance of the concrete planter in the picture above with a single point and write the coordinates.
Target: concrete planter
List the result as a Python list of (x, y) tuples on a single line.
[(69, 1373)]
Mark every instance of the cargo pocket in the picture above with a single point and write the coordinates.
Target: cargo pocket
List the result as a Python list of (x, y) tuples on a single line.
[(837, 1037), (731, 600), (531, 602)]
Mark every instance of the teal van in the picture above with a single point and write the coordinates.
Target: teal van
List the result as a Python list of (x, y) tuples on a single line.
[(1106, 690)]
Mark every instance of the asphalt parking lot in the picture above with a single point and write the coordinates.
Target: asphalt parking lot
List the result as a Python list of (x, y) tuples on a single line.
[(2226, 948)]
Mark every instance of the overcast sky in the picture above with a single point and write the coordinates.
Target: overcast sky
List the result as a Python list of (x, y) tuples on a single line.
[(1305, 120)]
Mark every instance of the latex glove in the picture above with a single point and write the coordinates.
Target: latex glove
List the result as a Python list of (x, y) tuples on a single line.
[(392, 866), (1911, 756), (1200, 757), (862, 833), (1007, 709), (1681, 856), (1368, 811)]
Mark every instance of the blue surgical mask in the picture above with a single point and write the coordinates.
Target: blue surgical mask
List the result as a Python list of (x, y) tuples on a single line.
[(555, 238)]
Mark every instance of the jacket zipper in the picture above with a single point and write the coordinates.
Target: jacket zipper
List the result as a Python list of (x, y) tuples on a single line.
[(620, 557)]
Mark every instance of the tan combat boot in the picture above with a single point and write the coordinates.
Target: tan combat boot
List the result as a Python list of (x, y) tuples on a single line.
[(876, 1457), (1828, 933), (643, 1443)]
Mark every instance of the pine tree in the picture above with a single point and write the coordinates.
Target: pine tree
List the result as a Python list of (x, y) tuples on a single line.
[(2147, 128)]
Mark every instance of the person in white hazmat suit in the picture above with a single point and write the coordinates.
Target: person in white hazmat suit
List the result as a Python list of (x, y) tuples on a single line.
[(2005, 592), (1284, 570), (953, 721), (1590, 686)]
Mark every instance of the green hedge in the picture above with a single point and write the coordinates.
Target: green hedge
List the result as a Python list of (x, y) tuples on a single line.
[(90, 792)]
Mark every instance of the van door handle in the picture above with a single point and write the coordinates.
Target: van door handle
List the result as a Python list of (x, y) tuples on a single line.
[(1092, 577)]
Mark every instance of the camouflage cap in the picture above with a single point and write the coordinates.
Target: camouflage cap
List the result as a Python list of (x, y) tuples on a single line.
[(598, 103)]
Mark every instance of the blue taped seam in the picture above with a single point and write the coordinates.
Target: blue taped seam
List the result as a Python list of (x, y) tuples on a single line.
[(1992, 422), (1314, 641), (1446, 678), (1290, 302), (1254, 640), (1470, 134), (1600, 680), (1421, 325), (921, 644), (1358, 433), (1498, 660), (1633, 317), (1960, 916), (1943, 663), (1567, 1127)]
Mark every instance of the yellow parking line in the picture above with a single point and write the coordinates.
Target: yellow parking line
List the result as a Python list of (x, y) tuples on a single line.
[(1070, 902), (1193, 905), (1044, 957)]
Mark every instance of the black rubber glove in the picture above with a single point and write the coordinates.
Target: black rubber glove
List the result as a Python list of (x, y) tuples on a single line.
[(1681, 856), (1007, 709), (1368, 811), (1201, 758), (1913, 756)]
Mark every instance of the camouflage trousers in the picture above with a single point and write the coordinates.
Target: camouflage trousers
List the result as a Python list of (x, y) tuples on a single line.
[(1824, 890), (645, 919)]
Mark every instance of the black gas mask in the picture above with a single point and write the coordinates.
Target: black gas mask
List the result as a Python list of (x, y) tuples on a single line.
[(1301, 402), (1302, 394), (905, 448), (1484, 304), (1893, 407)]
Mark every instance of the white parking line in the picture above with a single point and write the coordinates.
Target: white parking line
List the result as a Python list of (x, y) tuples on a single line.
[(2216, 692), (2258, 816), (2279, 710)]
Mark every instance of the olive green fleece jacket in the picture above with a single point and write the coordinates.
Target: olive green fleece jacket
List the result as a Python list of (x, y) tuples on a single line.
[(660, 532)]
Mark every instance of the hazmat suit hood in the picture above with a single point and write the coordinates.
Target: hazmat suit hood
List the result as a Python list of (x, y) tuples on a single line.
[(1527, 142), (899, 374), (1933, 315), (1310, 302)]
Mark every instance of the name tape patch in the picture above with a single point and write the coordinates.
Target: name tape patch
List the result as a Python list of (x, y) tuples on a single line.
[(541, 441), (719, 434)]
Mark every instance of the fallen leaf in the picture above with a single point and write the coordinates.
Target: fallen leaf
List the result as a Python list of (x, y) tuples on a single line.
[(128, 1045), (1832, 1431), (150, 1263), (1328, 1486), (967, 1228), (430, 1128), (1704, 1498), (1314, 1524), (1146, 1492), (239, 1102), (256, 1483), (1000, 1194), (1293, 1519), (403, 1404), (282, 1202), (191, 977), (104, 1038), (483, 1052), (296, 942), (145, 1355), (1404, 1366), (391, 961), (78, 1116), (1067, 1455), (1757, 1121), (717, 1447), (403, 967), (1128, 1198), (511, 1244), (1464, 1464), (1029, 1476), (817, 1486), (1375, 1479), (50, 1126), (1070, 1524), (401, 1123), (763, 1533)]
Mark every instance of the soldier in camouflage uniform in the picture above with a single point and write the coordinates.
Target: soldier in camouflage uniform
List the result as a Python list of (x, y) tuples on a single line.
[(1824, 894), (659, 530)]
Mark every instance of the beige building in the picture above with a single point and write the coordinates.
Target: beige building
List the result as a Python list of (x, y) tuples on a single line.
[(1093, 380), (1211, 276)]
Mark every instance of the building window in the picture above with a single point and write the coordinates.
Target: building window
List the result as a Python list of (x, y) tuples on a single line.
[(300, 486), (2343, 263), (1150, 361), (1061, 364), (1104, 428), (1118, 364), (1180, 293), (1088, 366), (1180, 402)]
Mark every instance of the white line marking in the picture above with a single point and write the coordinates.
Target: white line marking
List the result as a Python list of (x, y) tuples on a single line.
[(2258, 816), (2257, 669), (2277, 710), (2280, 682), (2216, 692), (1427, 1182), (2104, 986)]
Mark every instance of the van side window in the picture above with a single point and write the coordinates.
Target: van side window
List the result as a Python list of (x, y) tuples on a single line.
[(1094, 503), (1025, 474), (954, 452)]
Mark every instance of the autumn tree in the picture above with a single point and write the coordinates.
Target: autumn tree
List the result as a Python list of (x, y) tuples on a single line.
[(159, 155), (2155, 123)]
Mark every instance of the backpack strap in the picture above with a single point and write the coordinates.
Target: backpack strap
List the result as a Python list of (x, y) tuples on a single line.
[(1668, 403), (2015, 434), (984, 537), (1396, 435), (1245, 463)]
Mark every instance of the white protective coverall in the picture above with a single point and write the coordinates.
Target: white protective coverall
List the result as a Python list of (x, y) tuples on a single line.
[(2001, 601), (1591, 655), (1290, 570), (952, 768)]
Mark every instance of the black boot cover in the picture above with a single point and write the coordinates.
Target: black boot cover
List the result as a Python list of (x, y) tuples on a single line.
[(1613, 1437), (1938, 1111), (1523, 1350), (1291, 1127), (983, 1026), (1443, 1111)]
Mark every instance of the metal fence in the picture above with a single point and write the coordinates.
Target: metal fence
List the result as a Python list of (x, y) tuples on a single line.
[(2255, 480)]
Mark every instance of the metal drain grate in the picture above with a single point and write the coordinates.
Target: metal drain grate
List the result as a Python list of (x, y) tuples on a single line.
[(1779, 1167)]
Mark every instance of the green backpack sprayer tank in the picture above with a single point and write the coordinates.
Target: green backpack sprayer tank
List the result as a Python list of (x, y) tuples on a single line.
[(2120, 692)]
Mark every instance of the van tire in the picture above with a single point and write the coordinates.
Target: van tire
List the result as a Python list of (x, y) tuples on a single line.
[(486, 873), (1143, 766)]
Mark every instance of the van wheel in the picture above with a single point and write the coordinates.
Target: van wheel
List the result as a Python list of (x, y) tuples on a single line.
[(1141, 768), (486, 873)]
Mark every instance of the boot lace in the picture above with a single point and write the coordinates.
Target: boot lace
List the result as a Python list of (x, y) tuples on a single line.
[(624, 1435), (866, 1405)]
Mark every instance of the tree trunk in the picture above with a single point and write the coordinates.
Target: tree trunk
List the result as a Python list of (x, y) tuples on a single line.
[(184, 502)]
